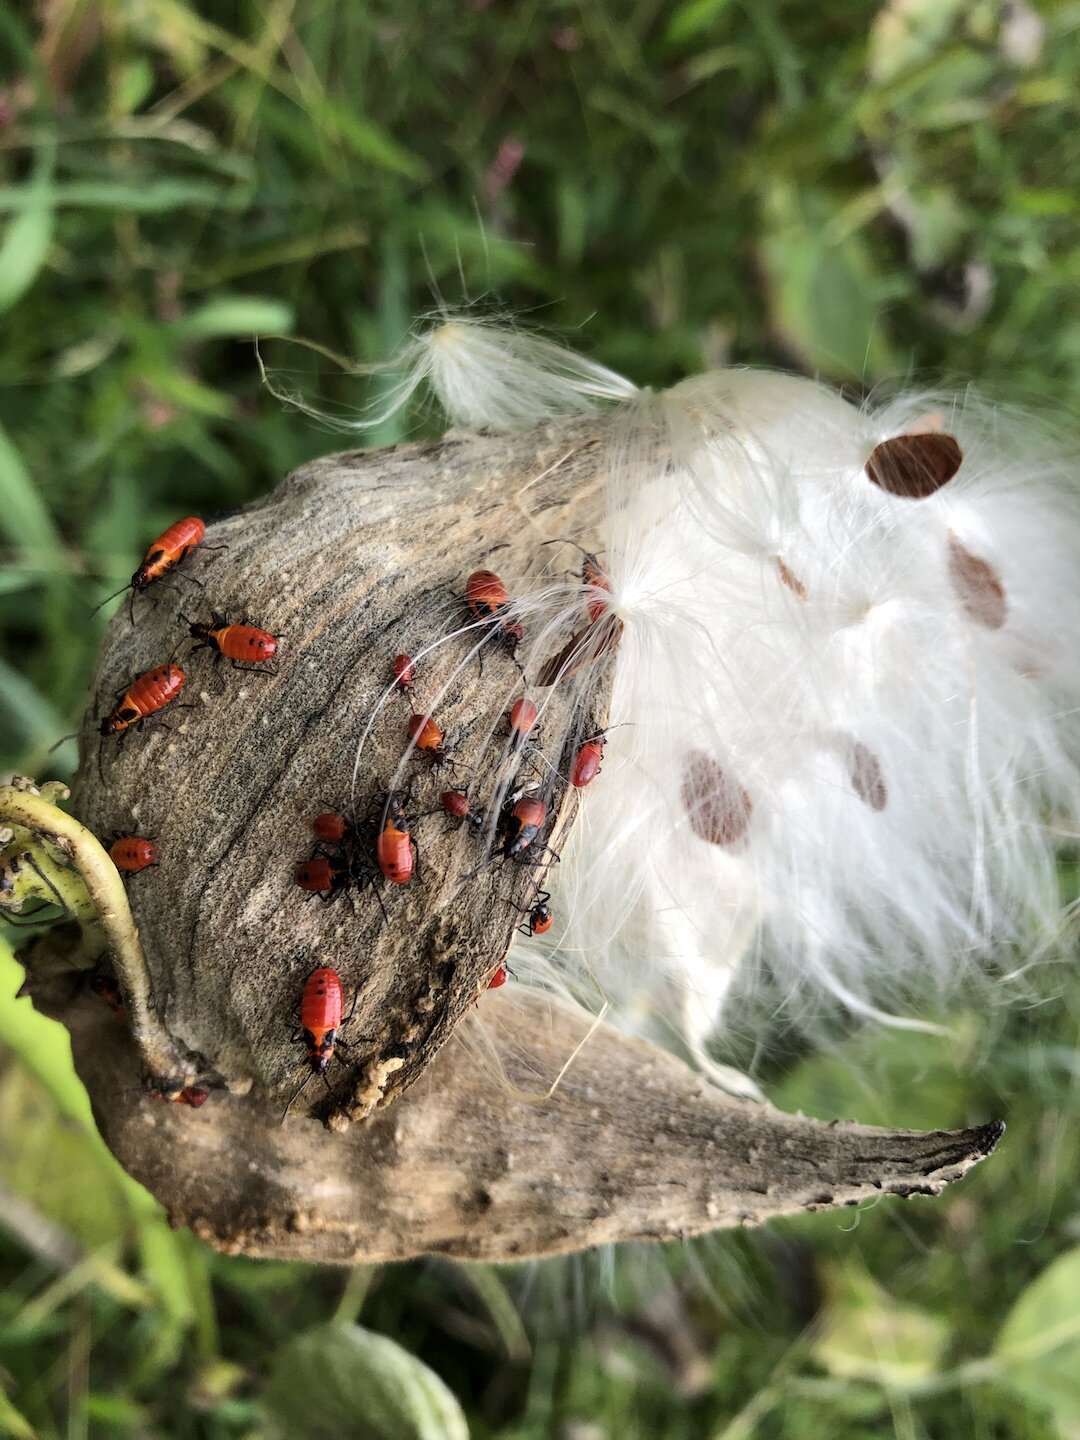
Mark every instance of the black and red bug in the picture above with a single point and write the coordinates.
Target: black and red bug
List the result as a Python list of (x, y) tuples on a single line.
[(106, 988), (132, 853), (395, 843), (540, 916), (456, 804), (404, 673), (488, 601), (244, 645), (522, 717), (163, 555), (321, 1004), (428, 738), (323, 875), (522, 825), (587, 760), (146, 696), (499, 978)]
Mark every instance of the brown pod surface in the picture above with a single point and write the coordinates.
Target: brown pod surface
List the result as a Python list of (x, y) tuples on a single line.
[(353, 559)]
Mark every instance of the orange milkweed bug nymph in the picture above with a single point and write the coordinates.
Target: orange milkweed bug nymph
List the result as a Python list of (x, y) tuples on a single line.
[(404, 673), (429, 739), (162, 556), (244, 644), (323, 875), (131, 853), (522, 825), (522, 716), (499, 978), (395, 844), (489, 602), (588, 760), (144, 697), (455, 803), (540, 916), (332, 827), (321, 1004)]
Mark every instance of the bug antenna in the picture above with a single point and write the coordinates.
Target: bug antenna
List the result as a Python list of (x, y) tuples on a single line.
[(113, 596), (73, 735)]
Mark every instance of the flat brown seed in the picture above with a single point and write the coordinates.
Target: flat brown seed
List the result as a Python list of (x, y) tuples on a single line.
[(914, 466), (718, 807), (792, 581), (583, 647), (867, 779), (977, 586)]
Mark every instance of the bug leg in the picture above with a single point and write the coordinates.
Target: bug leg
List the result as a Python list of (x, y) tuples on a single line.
[(382, 907), (294, 1096)]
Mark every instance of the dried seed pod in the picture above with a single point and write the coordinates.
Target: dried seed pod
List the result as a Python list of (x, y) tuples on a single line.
[(364, 535)]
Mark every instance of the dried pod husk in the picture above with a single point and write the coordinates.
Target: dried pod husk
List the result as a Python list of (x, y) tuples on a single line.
[(501, 1151), (351, 561)]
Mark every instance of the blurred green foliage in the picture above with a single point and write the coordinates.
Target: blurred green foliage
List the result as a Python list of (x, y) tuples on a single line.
[(860, 190)]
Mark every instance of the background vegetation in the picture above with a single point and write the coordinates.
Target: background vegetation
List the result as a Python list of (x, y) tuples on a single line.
[(857, 190)]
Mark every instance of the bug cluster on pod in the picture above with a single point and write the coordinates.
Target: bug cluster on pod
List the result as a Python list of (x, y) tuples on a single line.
[(378, 847)]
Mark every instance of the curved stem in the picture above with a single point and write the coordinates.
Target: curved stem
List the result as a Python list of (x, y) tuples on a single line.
[(105, 889)]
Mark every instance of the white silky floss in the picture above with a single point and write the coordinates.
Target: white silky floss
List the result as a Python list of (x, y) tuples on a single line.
[(848, 733)]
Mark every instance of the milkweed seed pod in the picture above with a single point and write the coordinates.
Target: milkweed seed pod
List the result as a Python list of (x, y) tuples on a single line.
[(830, 648)]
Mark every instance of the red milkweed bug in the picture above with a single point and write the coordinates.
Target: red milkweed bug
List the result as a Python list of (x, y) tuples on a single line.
[(522, 825), (323, 875), (145, 696), (489, 602), (131, 853), (499, 978), (588, 760), (404, 673), (106, 989), (245, 645), (162, 556), (321, 1002), (395, 844), (428, 738), (522, 716), (455, 803), (540, 916)]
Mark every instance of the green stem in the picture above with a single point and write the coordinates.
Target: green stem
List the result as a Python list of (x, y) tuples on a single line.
[(103, 888)]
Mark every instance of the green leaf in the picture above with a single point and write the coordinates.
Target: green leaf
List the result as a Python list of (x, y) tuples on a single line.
[(235, 315), (824, 295), (24, 518), (13, 1422), (865, 1334), (342, 1380), (150, 197), (691, 18), (22, 253), (1038, 1346)]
